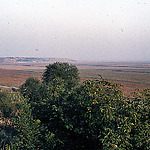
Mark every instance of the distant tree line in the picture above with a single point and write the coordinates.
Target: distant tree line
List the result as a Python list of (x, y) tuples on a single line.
[(61, 113)]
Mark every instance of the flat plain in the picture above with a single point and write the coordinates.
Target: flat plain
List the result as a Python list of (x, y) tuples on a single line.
[(132, 75)]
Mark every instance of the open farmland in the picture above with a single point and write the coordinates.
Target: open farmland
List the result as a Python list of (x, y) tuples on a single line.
[(13, 75), (14, 78), (131, 75)]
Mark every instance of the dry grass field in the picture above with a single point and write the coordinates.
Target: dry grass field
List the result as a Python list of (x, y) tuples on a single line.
[(15, 75), (132, 76)]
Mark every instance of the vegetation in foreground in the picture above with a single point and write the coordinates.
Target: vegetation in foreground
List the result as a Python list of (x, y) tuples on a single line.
[(61, 113)]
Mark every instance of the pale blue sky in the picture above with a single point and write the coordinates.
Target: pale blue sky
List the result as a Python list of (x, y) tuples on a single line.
[(100, 30)]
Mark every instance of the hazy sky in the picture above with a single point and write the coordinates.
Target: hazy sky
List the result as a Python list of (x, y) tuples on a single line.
[(100, 30)]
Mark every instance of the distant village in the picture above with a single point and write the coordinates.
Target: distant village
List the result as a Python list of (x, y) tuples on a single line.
[(32, 60)]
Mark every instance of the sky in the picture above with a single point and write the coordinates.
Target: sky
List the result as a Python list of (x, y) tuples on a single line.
[(93, 30)]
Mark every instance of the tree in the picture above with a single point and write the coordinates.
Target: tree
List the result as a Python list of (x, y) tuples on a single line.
[(18, 128), (30, 133), (69, 73), (93, 115), (30, 87), (7, 111)]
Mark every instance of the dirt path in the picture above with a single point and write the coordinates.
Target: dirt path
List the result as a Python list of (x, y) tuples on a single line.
[(8, 87)]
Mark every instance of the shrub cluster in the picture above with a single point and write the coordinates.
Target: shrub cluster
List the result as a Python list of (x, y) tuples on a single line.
[(62, 114)]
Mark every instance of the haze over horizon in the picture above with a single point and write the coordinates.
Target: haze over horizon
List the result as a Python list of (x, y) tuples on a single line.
[(94, 30)]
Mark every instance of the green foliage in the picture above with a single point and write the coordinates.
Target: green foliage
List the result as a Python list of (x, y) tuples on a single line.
[(48, 108), (18, 129), (30, 87), (6, 105), (89, 113), (132, 130), (10, 102), (69, 73), (93, 115), (31, 135)]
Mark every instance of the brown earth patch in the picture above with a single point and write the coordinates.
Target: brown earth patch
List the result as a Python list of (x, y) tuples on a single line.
[(15, 77), (129, 87)]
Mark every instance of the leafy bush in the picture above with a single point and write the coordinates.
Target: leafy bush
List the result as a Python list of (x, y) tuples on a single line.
[(31, 134), (92, 115), (69, 73), (10, 102), (18, 129), (30, 87)]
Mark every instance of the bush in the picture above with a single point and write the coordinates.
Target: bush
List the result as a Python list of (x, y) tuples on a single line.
[(10, 102), (31, 134), (30, 87), (69, 73), (92, 115)]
